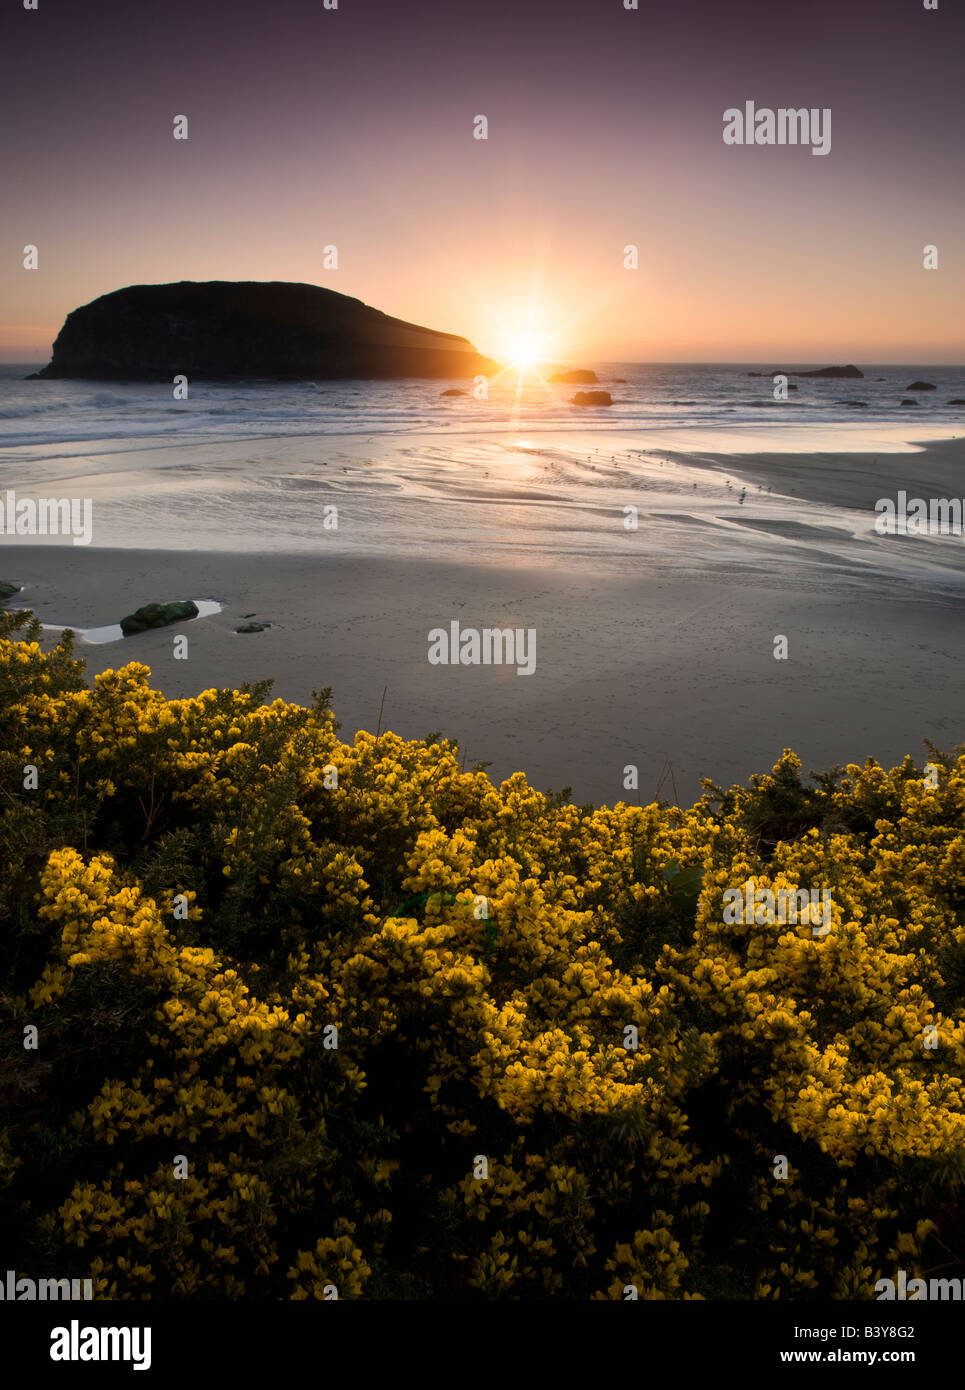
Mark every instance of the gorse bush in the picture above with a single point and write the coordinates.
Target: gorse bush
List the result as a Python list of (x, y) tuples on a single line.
[(318, 1014)]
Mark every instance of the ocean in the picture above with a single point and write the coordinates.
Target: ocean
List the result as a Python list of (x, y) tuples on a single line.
[(652, 395), (399, 469), (658, 549)]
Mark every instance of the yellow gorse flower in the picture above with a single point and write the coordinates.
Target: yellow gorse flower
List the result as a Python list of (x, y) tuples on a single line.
[(341, 1016)]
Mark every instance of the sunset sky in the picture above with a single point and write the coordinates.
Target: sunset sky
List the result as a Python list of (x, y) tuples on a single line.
[(354, 127)]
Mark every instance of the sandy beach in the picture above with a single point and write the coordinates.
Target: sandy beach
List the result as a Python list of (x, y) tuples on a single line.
[(655, 647)]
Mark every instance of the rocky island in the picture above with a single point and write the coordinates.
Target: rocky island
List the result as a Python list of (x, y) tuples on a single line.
[(220, 330)]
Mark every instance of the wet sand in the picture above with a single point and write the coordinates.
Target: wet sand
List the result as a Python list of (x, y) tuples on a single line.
[(654, 643), (646, 668)]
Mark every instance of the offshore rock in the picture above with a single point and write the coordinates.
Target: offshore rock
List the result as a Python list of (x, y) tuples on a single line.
[(579, 376)]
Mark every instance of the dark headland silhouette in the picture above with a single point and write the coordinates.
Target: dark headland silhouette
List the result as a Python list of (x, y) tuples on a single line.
[(222, 330)]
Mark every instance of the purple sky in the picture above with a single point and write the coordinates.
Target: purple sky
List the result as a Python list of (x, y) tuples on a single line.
[(353, 127)]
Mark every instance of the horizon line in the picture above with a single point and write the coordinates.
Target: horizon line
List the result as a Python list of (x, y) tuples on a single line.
[(625, 361)]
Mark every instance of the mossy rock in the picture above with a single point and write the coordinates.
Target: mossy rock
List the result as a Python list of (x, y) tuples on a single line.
[(8, 590), (158, 615)]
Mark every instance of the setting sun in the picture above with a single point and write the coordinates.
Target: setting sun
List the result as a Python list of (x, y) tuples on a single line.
[(524, 353)]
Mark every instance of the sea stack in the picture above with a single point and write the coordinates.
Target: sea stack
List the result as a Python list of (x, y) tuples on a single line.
[(221, 330), (592, 398), (832, 373), (577, 376)]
